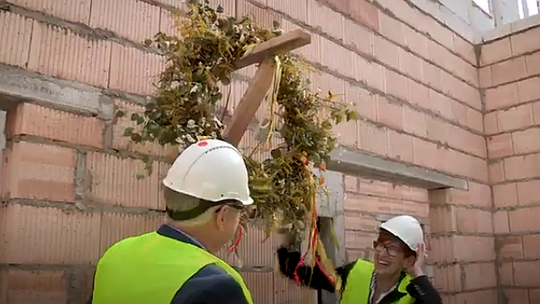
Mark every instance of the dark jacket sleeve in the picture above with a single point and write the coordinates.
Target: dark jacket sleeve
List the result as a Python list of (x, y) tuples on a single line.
[(423, 291), (312, 277), (209, 286)]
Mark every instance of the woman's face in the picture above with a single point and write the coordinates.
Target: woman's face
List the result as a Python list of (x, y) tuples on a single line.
[(391, 255)]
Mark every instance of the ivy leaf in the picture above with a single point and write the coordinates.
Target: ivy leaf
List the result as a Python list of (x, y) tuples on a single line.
[(128, 132)]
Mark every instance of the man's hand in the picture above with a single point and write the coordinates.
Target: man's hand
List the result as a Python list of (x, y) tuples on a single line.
[(416, 269)]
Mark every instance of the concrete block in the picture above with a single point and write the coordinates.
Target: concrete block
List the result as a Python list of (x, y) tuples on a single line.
[(331, 203), (361, 164), (17, 85)]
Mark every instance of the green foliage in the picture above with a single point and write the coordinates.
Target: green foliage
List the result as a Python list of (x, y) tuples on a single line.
[(283, 186)]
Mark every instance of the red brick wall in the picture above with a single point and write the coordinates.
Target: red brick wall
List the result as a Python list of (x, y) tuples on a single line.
[(510, 78), (69, 178)]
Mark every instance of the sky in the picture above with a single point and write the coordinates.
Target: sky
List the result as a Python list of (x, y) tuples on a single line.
[(533, 8)]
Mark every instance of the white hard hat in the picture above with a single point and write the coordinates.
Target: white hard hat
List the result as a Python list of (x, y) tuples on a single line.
[(211, 170), (407, 229)]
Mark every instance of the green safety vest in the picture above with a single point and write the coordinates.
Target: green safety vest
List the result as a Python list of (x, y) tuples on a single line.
[(150, 269), (358, 285)]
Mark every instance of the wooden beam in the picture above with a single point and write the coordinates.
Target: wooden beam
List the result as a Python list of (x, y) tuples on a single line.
[(281, 44), (250, 102)]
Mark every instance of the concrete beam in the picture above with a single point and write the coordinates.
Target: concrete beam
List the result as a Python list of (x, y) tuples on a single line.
[(18, 85), (359, 163)]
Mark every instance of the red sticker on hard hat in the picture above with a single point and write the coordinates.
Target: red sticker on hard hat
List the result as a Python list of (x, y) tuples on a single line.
[(202, 143)]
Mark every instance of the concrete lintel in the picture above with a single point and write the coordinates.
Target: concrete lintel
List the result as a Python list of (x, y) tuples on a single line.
[(17, 85), (365, 165)]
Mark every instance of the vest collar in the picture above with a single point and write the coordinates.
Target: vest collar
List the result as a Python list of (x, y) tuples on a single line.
[(179, 235)]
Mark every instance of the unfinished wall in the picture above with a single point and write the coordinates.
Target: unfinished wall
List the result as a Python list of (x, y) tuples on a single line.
[(510, 77), (72, 189)]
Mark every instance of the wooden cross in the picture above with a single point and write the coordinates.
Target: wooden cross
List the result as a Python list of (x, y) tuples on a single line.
[(261, 82)]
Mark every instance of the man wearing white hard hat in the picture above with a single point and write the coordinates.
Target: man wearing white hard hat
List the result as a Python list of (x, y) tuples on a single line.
[(205, 190), (395, 276)]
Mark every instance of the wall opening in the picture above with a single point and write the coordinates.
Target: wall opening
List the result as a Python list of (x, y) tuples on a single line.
[(325, 227), (2, 140)]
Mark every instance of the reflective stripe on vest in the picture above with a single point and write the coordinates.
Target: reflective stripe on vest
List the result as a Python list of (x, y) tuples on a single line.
[(150, 269), (358, 283)]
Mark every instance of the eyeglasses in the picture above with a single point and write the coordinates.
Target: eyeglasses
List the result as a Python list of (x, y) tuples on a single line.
[(391, 250), (236, 205)]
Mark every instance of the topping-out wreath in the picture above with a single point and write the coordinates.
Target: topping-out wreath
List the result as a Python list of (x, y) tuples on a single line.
[(183, 111)]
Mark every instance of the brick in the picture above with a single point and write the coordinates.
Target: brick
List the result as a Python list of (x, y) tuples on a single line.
[(359, 240), (131, 19), (410, 65), (432, 75), (124, 182), (50, 236), (491, 123), (363, 12), (416, 42), (381, 205), (31, 119), (134, 71), (515, 118), (287, 290), (15, 34), (516, 296), (534, 296), (505, 195), (479, 276), (509, 247), (496, 172), (89, 60), (351, 183), (261, 286), (525, 42), (473, 220), (533, 64), (414, 122), (526, 274), (400, 146), (117, 226), (389, 113), (465, 49), (317, 13), (122, 142), (447, 278), (359, 222), (39, 171), (489, 296), (536, 112), (495, 51), (506, 274), (372, 138), (524, 219), (425, 153), (78, 11), (519, 167), (479, 248), (386, 52), (528, 192), (528, 89), (508, 71), (356, 35), (39, 286), (261, 16), (531, 246), (485, 78), (526, 141), (500, 145), (502, 96), (501, 222)]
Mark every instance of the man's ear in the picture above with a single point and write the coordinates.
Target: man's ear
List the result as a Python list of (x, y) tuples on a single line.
[(220, 217)]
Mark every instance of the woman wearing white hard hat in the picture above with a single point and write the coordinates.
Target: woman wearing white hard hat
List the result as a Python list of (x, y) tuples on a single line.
[(395, 276), (205, 191)]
